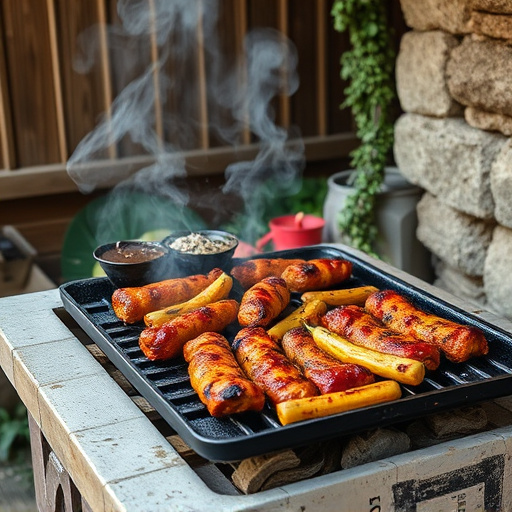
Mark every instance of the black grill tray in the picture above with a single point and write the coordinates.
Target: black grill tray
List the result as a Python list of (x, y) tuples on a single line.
[(167, 387)]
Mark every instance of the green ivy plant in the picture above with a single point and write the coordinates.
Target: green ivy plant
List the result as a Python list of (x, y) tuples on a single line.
[(368, 67)]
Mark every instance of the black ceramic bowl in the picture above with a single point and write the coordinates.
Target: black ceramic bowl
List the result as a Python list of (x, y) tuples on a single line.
[(133, 263), (198, 252)]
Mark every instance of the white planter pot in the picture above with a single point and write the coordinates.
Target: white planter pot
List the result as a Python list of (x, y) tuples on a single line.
[(396, 221)]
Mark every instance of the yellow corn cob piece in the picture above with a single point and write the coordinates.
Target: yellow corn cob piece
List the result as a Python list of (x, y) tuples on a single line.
[(218, 290), (401, 369), (333, 403), (309, 312), (355, 296)]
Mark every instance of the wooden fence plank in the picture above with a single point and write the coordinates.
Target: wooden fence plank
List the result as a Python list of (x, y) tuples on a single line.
[(201, 77), (57, 80), (33, 104), (338, 120), (128, 57), (266, 14), (303, 15), (81, 55), (226, 62), (158, 106), (283, 24), (7, 151), (321, 66)]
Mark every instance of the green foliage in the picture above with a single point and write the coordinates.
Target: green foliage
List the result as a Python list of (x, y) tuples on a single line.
[(13, 430), (368, 67), (308, 199)]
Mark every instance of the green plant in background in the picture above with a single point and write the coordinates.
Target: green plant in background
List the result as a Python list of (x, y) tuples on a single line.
[(14, 430), (368, 67)]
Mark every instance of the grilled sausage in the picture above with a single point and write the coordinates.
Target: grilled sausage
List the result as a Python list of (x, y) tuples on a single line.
[(263, 302), (253, 271), (218, 379), (167, 341), (266, 365), (327, 373), (354, 324), (458, 342), (131, 304), (316, 274)]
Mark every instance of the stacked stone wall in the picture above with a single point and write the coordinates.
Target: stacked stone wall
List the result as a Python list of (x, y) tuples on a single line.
[(454, 82)]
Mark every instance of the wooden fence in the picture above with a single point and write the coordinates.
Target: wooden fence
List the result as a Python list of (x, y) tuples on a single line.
[(50, 100)]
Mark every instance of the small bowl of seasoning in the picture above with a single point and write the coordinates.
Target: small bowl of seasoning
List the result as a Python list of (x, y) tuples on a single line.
[(133, 263), (198, 252)]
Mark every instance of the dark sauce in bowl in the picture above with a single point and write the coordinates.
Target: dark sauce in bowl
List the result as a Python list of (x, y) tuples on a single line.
[(133, 263), (131, 253)]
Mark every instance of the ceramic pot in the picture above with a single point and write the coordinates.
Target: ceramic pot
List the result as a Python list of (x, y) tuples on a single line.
[(292, 231), (397, 221)]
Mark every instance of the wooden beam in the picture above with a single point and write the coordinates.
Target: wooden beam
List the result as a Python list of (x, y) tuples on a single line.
[(53, 179)]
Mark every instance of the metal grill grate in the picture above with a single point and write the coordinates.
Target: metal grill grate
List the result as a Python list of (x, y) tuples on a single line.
[(166, 385)]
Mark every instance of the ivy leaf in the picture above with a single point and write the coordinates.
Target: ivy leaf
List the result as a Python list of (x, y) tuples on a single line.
[(368, 67)]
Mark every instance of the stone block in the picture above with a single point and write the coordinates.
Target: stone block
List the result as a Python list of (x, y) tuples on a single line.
[(488, 121), (420, 73), (459, 239), (479, 74), (459, 284), (495, 6), (497, 274), (449, 159), (498, 26), (374, 445), (501, 185), (450, 15)]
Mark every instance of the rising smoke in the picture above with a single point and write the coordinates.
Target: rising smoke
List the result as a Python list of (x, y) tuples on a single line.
[(245, 88)]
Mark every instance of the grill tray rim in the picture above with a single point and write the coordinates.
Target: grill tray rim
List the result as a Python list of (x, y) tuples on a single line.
[(245, 442)]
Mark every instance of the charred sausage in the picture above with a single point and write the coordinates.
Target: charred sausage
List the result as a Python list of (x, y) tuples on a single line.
[(354, 324), (266, 365), (253, 271), (131, 304), (167, 341), (263, 302), (316, 274), (218, 379), (327, 373), (458, 342)]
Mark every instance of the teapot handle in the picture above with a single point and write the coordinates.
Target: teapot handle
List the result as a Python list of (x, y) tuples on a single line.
[(264, 240)]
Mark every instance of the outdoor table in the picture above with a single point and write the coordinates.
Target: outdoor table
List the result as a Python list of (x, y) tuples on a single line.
[(94, 447)]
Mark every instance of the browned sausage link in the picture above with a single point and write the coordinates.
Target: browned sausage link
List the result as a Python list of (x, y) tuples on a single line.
[(266, 365), (316, 274), (458, 342), (353, 323), (263, 302), (218, 379), (167, 341), (253, 271), (327, 373), (131, 304)]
